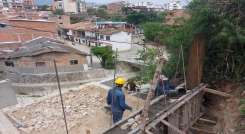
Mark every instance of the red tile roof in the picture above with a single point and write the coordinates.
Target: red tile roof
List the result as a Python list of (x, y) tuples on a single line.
[(24, 30), (84, 25)]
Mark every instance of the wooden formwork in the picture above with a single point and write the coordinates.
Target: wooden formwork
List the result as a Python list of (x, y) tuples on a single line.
[(180, 117), (175, 117)]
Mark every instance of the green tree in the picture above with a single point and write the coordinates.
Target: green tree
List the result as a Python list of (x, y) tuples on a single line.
[(75, 18), (43, 8), (117, 17), (102, 13), (143, 17), (224, 31), (59, 12), (91, 11), (105, 55), (103, 7), (152, 30), (148, 56)]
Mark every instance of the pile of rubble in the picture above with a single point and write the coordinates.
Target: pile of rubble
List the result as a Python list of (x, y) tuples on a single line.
[(84, 107), (132, 123)]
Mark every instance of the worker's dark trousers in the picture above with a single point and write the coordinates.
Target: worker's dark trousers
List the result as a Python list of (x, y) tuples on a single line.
[(117, 116)]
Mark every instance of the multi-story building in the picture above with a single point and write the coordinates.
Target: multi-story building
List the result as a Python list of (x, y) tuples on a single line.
[(70, 6), (174, 5), (29, 4), (7, 3), (18, 4), (74, 6), (82, 6), (57, 4), (1, 4)]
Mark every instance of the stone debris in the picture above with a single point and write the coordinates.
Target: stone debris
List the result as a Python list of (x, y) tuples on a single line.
[(48, 114), (80, 105), (132, 123)]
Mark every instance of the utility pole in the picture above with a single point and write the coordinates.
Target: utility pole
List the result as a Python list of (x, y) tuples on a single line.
[(150, 94), (61, 98)]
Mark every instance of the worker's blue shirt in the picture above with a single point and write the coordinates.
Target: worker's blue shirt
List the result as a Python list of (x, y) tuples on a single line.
[(116, 99)]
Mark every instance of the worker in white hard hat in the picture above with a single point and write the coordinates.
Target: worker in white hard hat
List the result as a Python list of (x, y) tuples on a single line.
[(116, 99)]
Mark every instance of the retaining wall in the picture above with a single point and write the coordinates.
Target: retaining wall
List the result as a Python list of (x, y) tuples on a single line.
[(7, 95), (51, 77)]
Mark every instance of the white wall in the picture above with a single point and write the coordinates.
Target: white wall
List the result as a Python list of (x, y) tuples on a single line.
[(70, 6), (1, 3), (120, 41)]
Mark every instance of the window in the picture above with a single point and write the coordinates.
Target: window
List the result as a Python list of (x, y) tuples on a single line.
[(107, 37), (102, 37), (9, 63), (73, 62), (40, 64)]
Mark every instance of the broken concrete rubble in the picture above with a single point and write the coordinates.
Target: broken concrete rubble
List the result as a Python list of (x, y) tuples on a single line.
[(84, 110)]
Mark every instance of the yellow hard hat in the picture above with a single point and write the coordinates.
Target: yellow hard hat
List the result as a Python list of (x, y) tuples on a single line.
[(120, 81)]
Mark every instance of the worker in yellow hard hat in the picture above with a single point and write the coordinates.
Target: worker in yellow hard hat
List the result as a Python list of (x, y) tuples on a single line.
[(116, 99)]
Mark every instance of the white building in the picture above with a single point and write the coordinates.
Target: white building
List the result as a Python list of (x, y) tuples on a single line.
[(6, 3), (82, 6), (118, 40), (118, 35), (57, 4), (74, 6), (174, 4), (1, 3)]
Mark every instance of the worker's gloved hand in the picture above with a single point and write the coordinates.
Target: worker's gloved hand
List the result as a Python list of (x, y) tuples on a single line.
[(130, 108)]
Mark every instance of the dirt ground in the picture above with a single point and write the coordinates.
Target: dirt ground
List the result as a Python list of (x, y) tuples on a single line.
[(84, 110), (226, 111)]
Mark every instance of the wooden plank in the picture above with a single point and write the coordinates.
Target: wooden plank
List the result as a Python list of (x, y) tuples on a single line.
[(179, 104), (212, 91), (134, 114), (207, 120), (173, 127), (172, 108), (202, 130), (147, 131)]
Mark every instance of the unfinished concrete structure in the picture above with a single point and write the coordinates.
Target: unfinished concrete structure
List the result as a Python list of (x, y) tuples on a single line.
[(170, 116)]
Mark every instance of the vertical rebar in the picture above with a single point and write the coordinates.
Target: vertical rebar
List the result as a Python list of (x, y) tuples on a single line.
[(115, 66), (183, 62), (61, 98)]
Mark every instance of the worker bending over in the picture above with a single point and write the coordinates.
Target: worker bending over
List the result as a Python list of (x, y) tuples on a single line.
[(116, 99)]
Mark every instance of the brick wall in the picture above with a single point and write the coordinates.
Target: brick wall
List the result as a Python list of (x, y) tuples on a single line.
[(62, 59)]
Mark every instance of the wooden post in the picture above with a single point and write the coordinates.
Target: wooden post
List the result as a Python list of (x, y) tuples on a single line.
[(173, 127), (216, 92), (151, 92)]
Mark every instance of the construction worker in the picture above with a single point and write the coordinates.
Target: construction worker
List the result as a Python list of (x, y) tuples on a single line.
[(116, 99), (131, 85), (159, 88)]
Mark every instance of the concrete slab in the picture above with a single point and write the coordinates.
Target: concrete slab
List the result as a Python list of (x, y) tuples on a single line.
[(7, 95), (6, 127)]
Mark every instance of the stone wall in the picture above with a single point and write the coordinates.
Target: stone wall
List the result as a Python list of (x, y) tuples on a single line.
[(42, 84), (51, 77)]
